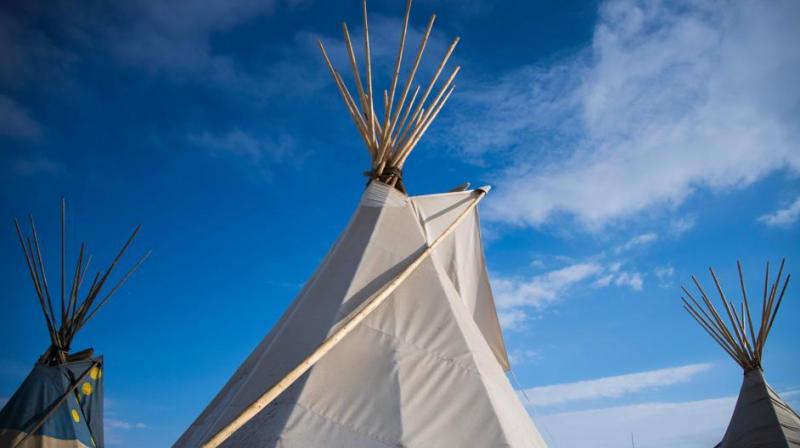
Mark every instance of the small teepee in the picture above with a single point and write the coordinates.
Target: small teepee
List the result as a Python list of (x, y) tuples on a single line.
[(761, 418), (60, 403), (395, 340)]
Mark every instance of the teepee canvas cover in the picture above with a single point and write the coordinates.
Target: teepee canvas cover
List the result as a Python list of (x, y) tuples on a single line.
[(761, 419), (424, 370), (77, 422)]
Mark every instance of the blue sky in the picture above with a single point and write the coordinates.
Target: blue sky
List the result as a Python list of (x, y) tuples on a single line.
[(629, 143)]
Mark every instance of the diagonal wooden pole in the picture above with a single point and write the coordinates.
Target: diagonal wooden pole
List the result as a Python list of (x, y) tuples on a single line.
[(350, 323)]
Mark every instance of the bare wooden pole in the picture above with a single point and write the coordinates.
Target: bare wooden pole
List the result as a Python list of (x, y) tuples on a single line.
[(73, 292), (352, 108), (710, 322), (775, 312), (408, 145), (424, 127), (42, 270), (743, 343), (362, 97), (720, 323), (402, 122), (410, 79), (746, 304), (368, 61), (731, 315), (350, 323), (36, 286), (113, 290), (63, 255), (706, 326), (388, 122), (433, 80)]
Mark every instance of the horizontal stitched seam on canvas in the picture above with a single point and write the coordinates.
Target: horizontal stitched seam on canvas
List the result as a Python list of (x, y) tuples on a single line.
[(430, 354), (308, 408)]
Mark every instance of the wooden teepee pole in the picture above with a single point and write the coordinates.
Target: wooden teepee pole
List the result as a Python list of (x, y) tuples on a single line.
[(351, 322), (741, 341)]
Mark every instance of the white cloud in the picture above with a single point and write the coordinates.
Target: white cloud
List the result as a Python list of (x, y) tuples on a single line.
[(664, 274), (177, 41), (784, 217), (692, 424), (542, 289), (613, 386), (632, 280), (15, 122), (263, 152), (670, 98), (679, 226), (513, 319), (35, 165), (121, 424), (519, 357), (639, 240), (517, 297), (175, 37)]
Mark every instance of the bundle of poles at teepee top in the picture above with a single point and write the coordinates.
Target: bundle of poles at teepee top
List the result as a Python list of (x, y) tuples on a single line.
[(742, 339), (391, 139), (76, 309)]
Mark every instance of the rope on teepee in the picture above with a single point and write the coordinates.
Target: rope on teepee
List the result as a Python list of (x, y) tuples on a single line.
[(529, 404)]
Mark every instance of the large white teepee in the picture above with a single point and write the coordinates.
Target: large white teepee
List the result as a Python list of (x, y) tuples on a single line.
[(761, 418), (426, 369), (394, 342)]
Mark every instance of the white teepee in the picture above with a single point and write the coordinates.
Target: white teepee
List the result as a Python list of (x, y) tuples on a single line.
[(761, 418), (426, 369), (394, 342)]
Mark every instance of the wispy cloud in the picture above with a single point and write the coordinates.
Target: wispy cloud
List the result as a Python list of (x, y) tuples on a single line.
[(613, 386), (639, 240), (116, 428), (261, 152), (668, 99), (679, 226), (121, 424), (690, 424), (175, 38), (518, 357), (542, 289), (784, 217), (16, 122), (512, 319), (517, 297), (35, 165), (664, 274), (632, 280)]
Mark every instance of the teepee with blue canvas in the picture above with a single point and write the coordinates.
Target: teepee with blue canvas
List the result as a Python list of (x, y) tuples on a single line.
[(60, 403)]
